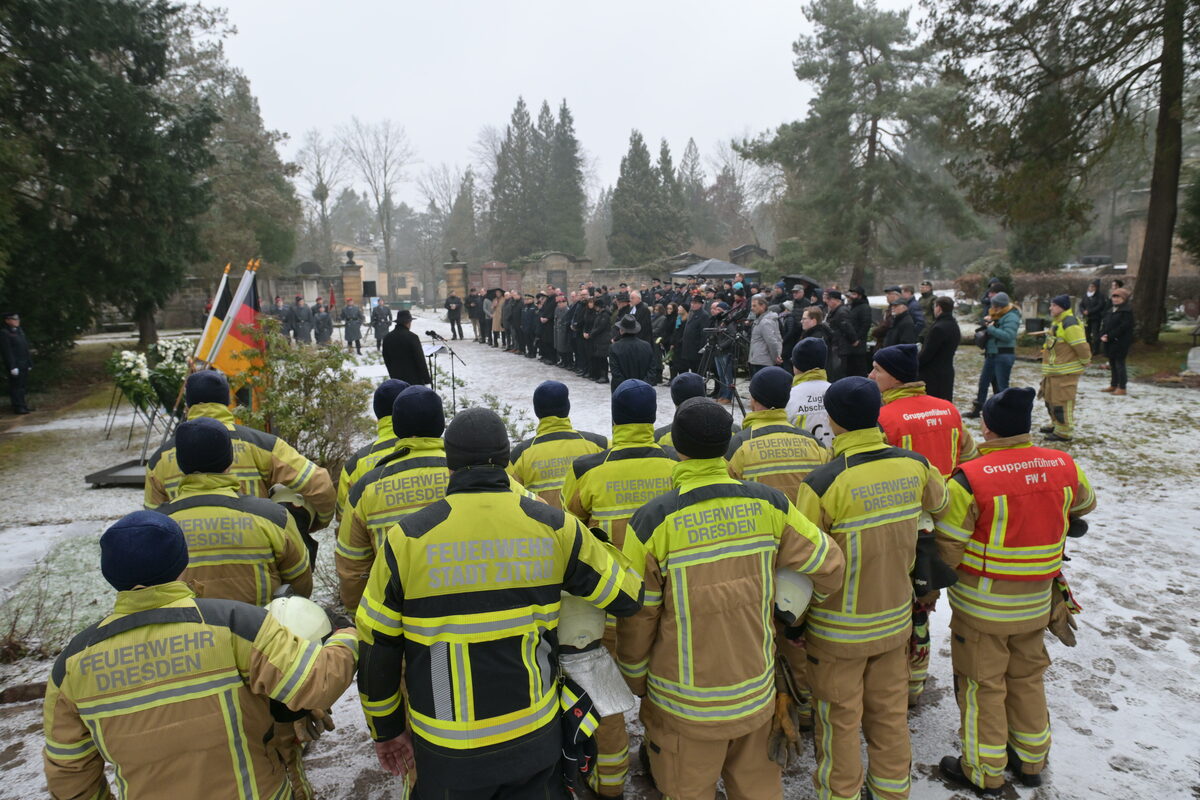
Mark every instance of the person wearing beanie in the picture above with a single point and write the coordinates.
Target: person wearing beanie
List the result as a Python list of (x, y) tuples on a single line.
[(604, 490), (173, 685), (1002, 322), (263, 464), (940, 343), (705, 711), (871, 497), (479, 573), (1065, 355), (684, 386), (367, 456), (932, 427), (402, 353), (769, 449), (241, 548), (806, 401), (1000, 609), (1116, 337), (903, 329), (541, 462), (406, 479), (630, 356)]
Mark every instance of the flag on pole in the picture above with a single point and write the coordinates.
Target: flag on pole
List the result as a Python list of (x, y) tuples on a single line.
[(216, 316), (230, 355)]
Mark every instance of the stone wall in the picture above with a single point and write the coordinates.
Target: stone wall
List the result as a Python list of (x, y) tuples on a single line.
[(1181, 262)]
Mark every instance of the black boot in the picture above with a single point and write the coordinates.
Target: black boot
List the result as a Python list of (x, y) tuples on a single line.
[(975, 411), (1014, 766), (951, 769)]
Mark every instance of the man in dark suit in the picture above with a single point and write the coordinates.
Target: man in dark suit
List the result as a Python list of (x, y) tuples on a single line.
[(14, 353), (402, 352), (937, 354), (630, 356)]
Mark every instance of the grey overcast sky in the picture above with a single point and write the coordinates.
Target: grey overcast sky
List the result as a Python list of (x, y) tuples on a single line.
[(444, 68)]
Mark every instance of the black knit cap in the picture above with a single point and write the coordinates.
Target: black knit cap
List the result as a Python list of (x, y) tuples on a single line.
[(206, 386), (771, 386), (701, 428), (418, 411), (1010, 412), (203, 445), (634, 401), (810, 353), (551, 399), (900, 361), (475, 437), (144, 548), (385, 396), (854, 403), (685, 386)]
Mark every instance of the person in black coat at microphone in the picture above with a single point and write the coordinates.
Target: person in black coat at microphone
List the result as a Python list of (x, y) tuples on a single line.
[(402, 352)]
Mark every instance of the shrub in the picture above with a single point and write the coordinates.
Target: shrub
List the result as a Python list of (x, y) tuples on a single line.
[(309, 397)]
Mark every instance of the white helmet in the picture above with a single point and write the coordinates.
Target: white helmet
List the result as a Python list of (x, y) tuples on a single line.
[(793, 591), (301, 616), (579, 623)]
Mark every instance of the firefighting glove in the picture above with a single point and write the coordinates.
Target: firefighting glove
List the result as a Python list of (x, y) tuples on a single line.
[(296, 505), (579, 723), (1078, 527), (1063, 608), (310, 727), (337, 621), (601, 534), (929, 572), (783, 743)]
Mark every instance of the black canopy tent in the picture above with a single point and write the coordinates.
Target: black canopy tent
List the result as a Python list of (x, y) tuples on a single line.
[(713, 269), (791, 280)]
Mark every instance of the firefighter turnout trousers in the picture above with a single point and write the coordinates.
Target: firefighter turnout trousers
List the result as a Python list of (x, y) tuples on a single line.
[(1059, 393)]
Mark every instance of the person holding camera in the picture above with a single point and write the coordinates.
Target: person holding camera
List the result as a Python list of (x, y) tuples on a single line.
[(999, 332)]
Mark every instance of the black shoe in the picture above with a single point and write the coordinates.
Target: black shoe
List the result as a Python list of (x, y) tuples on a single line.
[(1014, 766), (1054, 437), (23, 411), (1046, 429), (975, 412), (601, 380), (644, 760), (951, 769)]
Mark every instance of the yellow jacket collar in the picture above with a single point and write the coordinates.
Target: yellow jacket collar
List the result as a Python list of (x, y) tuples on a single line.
[(422, 445), (699, 472), (629, 434), (858, 441), (771, 416), (207, 483), (1006, 443), (383, 429), (914, 389), (810, 375), (553, 425), (215, 411), (164, 594)]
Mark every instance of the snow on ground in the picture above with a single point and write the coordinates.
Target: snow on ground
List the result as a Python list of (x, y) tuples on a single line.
[(1124, 703)]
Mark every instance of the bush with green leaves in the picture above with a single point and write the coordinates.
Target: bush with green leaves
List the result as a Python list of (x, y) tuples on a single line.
[(309, 397)]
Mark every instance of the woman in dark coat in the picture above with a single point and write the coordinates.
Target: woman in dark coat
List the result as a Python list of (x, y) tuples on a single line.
[(937, 354), (1116, 334), (600, 337)]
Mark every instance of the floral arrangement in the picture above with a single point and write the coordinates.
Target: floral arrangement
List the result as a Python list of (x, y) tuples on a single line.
[(152, 378)]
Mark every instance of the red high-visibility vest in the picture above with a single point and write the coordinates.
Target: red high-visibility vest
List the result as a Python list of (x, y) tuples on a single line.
[(1024, 496), (927, 425)]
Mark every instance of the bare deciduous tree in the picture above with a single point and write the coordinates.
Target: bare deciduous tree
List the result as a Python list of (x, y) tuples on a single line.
[(322, 164), (379, 152), (439, 186)]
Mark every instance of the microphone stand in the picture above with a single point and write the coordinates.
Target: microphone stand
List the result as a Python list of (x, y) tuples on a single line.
[(453, 357)]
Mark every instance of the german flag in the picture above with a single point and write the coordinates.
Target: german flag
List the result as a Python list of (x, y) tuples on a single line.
[(216, 317), (231, 356)]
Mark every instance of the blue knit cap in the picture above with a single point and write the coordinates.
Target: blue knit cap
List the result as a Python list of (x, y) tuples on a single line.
[(551, 399), (1062, 301), (206, 386), (685, 386), (853, 403), (144, 548), (418, 411), (634, 401), (900, 361), (810, 353), (203, 445), (771, 386), (1010, 412), (386, 395)]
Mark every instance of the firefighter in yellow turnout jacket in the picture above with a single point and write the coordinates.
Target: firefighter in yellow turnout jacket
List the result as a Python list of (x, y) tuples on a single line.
[(367, 456), (769, 449), (464, 605), (174, 691), (869, 498), (410, 478), (541, 463), (604, 490), (1004, 529), (1065, 355), (239, 548), (260, 460), (701, 651), (684, 386)]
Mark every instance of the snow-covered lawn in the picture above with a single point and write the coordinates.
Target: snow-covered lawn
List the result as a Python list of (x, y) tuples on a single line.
[(1125, 702)]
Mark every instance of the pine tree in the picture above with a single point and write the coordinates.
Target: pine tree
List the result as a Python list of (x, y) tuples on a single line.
[(460, 225), (675, 218), (638, 215), (599, 226), (693, 185), (565, 198), (514, 189)]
